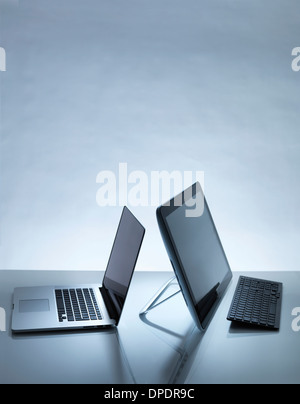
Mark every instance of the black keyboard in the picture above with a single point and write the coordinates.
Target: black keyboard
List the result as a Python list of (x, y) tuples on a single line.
[(77, 305), (256, 302)]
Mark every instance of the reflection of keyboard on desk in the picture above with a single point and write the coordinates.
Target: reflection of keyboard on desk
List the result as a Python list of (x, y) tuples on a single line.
[(256, 302)]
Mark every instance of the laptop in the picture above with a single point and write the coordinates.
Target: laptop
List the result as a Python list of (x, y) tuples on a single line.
[(202, 269), (72, 307)]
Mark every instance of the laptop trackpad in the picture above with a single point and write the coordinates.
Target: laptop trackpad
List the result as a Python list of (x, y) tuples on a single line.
[(36, 305)]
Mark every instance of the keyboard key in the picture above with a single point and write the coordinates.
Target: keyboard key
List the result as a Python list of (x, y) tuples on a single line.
[(272, 308)]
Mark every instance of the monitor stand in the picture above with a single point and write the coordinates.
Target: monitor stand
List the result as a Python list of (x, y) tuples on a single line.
[(154, 302)]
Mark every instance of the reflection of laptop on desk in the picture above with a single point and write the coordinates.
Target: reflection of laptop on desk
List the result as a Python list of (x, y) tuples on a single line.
[(83, 306), (202, 269)]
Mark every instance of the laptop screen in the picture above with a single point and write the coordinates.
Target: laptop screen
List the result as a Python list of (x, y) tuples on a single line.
[(124, 255), (195, 251)]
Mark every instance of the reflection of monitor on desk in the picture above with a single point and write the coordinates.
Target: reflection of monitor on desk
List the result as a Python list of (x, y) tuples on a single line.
[(182, 336)]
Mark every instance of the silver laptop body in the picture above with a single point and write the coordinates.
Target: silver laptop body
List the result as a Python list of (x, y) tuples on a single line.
[(68, 307)]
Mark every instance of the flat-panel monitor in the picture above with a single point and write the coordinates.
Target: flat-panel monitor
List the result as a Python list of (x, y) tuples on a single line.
[(195, 252)]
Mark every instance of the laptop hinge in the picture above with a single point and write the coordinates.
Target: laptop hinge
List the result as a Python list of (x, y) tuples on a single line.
[(113, 314)]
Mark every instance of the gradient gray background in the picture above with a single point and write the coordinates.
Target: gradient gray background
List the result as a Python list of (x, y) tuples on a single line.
[(201, 85)]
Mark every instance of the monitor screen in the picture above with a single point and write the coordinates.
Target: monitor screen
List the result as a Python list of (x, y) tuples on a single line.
[(124, 254), (195, 251)]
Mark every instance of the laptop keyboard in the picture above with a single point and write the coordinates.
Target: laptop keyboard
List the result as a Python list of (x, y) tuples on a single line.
[(256, 302), (77, 305)]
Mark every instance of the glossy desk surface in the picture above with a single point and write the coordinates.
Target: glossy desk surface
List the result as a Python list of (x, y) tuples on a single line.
[(161, 347)]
